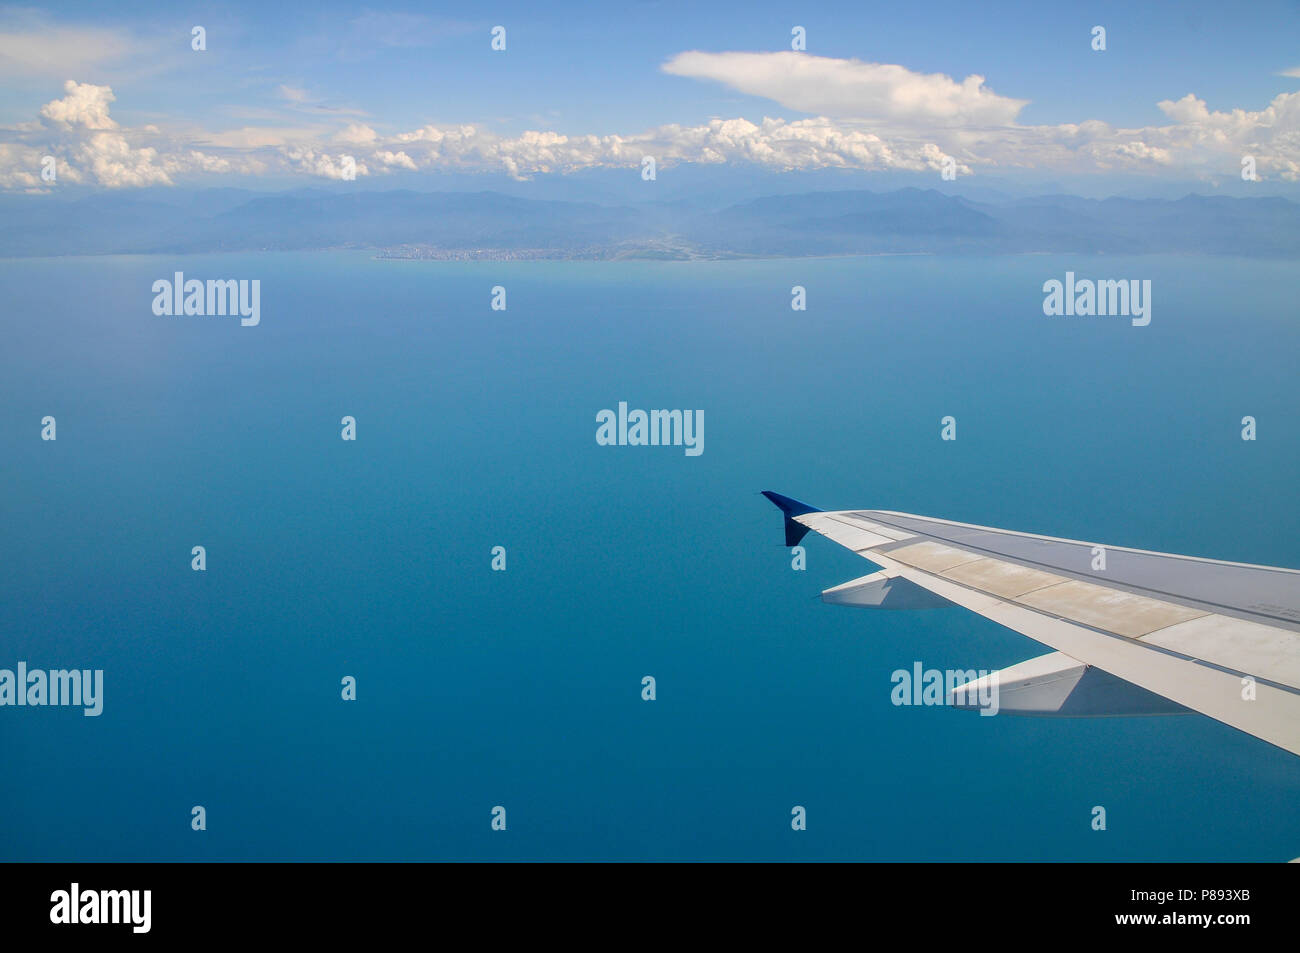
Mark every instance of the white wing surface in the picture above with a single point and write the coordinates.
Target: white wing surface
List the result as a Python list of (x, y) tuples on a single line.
[(1218, 638)]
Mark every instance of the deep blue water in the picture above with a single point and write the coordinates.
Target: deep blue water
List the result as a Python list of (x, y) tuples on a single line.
[(522, 688)]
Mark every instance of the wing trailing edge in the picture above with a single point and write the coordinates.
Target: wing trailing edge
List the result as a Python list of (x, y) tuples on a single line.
[(1135, 631)]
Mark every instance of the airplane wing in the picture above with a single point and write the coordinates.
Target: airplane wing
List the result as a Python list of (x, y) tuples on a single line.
[(1134, 632)]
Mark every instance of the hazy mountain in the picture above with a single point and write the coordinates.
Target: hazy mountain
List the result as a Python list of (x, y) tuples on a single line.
[(487, 224)]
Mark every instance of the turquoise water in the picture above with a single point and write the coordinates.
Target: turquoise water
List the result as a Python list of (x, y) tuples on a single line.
[(522, 688)]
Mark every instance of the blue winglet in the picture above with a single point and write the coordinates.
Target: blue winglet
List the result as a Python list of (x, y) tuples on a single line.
[(791, 508)]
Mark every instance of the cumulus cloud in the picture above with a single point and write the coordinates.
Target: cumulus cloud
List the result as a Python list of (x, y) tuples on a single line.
[(775, 143), (326, 165), (852, 89), (84, 105), (357, 134), (1271, 135), (395, 160), (979, 128), (891, 119), (89, 147)]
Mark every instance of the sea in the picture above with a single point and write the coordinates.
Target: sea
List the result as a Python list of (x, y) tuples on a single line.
[(504, 713)]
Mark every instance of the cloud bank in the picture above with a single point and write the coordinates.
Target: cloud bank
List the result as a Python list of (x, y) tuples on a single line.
[(866, 116)]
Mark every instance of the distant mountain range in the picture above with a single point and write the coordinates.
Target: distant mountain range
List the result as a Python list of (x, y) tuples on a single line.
[(413, 224)]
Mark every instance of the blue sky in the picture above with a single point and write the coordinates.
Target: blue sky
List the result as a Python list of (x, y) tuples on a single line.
[(293, 77)]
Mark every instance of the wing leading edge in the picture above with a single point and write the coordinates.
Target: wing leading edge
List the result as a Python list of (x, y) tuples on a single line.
[(1214, 637)]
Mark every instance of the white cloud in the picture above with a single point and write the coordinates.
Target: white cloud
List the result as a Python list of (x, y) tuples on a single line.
[(113, 162), (398, 160), (92, 148), (89, 147), (30, 46), (852, 89), (357, 134), (84, 105), (262, 137), (776, 143), (324, 164)]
